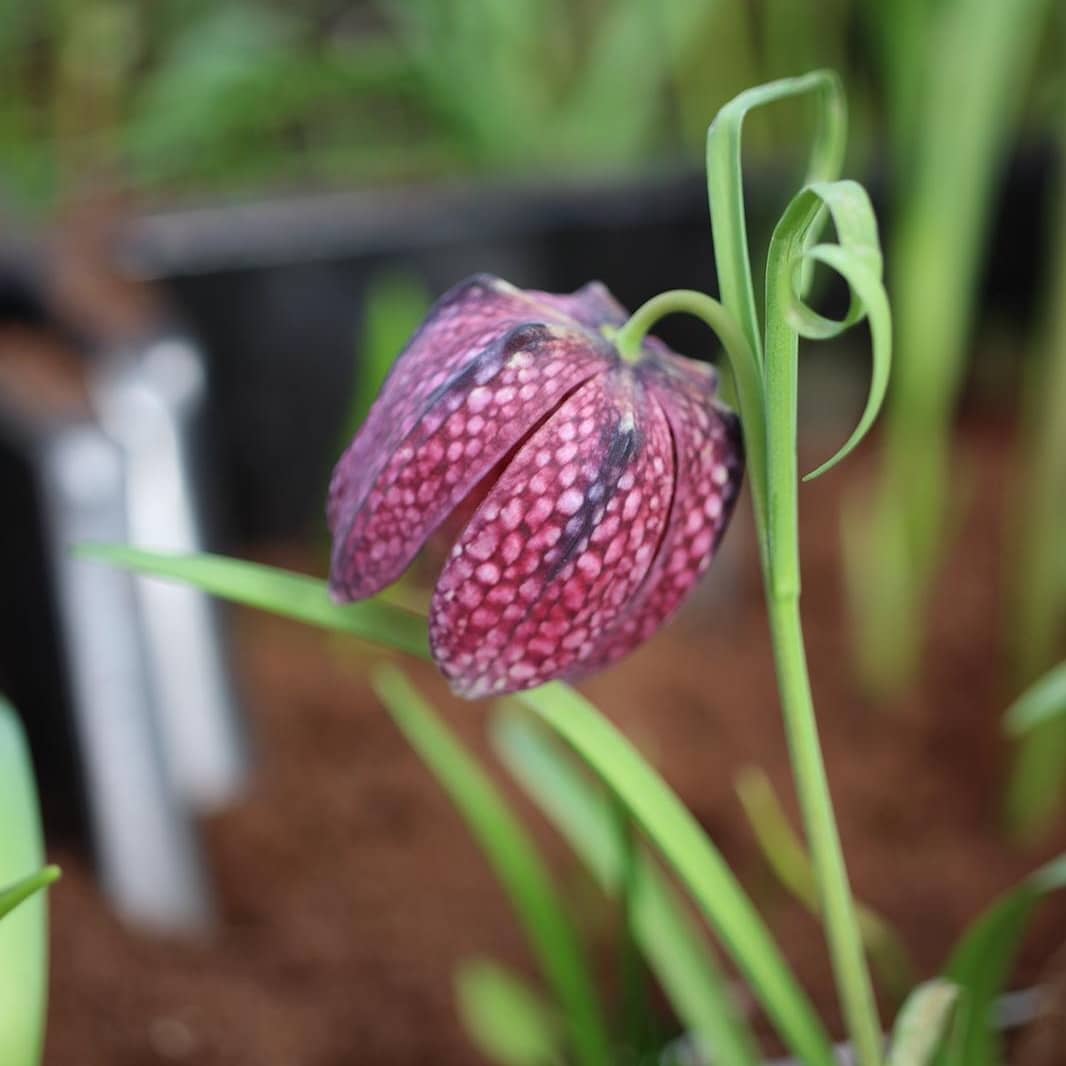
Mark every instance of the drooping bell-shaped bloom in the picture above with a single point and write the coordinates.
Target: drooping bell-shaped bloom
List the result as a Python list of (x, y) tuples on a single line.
[(605, 484)]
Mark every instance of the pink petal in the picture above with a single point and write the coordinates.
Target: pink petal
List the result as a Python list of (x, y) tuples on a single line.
[(560, 544), (465, 322), (710, 464), (391, 492)]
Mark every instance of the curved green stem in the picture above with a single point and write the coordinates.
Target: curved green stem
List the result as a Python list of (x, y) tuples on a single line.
[(742, 362), (725, 185)]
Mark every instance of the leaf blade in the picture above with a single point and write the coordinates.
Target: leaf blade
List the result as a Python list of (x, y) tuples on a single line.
[(788, 858), (511, 854), (670, 827), (503, 1017), (27, 888), (725, 184), (23, 932), (668, 938), (268, 588), (981, 961), (857, 259), (1043, 701), (922, 1023)]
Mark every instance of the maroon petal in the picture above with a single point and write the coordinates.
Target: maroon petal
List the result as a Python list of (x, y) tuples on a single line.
[(560, 544), (390, 491), (710, 464), (464, 323)]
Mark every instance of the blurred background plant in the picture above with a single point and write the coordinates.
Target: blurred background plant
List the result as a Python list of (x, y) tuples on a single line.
[(952, 114), (23, 910), (957, 77), (187, 98), (1037, 606), (183, 99)]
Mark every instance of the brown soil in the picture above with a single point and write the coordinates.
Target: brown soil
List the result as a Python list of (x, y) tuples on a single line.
[(349, 889)]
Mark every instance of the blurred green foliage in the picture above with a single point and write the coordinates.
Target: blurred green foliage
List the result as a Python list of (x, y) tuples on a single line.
[(956, 76), (187, 97), (23, 910), (180, 98)]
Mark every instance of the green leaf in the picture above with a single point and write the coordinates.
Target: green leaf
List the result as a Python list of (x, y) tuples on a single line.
[(1043, 701), (922, 1023), (857, 258), (512, 856), (878, 596), (789, 860), (673, 831), (25, 889), (959, 95), (981, 962), (23, 932), (668, 938), (305, 599), (507, 1022), (725, 183)]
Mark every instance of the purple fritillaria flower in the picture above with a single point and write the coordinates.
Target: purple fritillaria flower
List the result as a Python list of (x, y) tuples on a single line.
[(608, 483)]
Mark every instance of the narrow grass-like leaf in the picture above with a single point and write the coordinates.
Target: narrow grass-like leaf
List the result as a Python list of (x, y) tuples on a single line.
[(671, 829), (922, 1023), (1042, 702), (981, 962), (504, 1018), (725, 183), (670, 941), (25, 889), (1033, 625), (512, 856), (857, 258), (789, 860), (877, 596), (23, 931), (305, 599), (962, 91), (637, 1035)]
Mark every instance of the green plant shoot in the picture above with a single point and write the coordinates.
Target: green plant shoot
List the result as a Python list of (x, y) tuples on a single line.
[(23, 911)]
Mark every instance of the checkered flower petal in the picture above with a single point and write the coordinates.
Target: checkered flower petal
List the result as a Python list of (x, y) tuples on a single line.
[(710, 466), (560, 545), (444, 420), (593, 491)]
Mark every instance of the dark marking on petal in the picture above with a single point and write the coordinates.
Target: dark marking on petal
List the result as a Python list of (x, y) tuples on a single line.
[(529, 337), (469, 423), (708, 459), (623, 444), (552, 557)]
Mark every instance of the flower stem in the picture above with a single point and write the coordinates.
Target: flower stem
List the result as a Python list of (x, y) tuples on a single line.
[(743, 363), (767, 401), (782, 581), (823, 839)]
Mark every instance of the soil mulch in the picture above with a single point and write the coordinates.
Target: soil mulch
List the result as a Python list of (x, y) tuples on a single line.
[(348, 889)]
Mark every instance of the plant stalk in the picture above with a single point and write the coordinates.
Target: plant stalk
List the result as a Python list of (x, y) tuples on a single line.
[(837, 905), (742, 362), (769, 421)]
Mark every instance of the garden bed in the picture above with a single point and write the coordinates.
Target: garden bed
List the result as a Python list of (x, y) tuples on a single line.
[(349, 890)]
